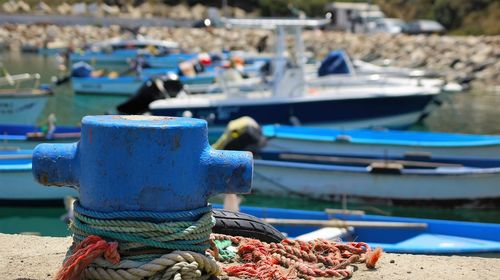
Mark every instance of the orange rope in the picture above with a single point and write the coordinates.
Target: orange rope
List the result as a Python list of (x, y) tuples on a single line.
[(291, 259), (84, 254)]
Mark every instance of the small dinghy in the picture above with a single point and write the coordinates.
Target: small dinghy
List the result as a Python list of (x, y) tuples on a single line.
[(121, 51), (413, 179), (379, 142), (84, 80), (19, 103), (17, 185), (392, 234)]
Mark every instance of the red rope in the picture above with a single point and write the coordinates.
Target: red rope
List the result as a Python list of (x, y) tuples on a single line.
[(84, 254), (291, 259)]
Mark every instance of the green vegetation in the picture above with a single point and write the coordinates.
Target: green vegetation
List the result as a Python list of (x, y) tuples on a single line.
[(461, 17), (458, 16)]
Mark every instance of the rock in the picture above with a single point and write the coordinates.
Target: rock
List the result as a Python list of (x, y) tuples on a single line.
[(64, 9), (145, 9), (180, 12), (198, 11), (79, 9), (10, 7), (23, 7), (132, 11), (94, 9), (239, 13), (110, 10), (43, 8)]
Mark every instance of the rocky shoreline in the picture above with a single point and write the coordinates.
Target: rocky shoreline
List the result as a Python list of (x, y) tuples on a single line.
[(147, 9), (457, 58)]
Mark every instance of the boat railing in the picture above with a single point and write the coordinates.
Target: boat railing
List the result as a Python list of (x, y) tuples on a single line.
[(239, 86), (16, 81)]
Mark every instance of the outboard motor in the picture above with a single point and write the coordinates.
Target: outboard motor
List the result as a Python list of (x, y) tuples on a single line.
[(241, 134), (81, 70), (153, 89)]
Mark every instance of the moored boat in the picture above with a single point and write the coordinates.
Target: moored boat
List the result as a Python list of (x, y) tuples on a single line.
[(292, 100), (379, 142), (18, 185), (20, 104), (410, 180), (128, 85), (337, 69), (392, 234), (121, 51), (28, 136)]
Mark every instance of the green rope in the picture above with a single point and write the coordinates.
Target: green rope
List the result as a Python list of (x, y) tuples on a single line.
[(225, 255), (134, 234)]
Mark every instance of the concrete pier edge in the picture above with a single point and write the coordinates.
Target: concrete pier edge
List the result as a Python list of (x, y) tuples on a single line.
[(36, 258)]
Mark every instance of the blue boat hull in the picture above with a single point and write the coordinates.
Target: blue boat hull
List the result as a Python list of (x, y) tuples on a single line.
[(126, 85), (390, 111)]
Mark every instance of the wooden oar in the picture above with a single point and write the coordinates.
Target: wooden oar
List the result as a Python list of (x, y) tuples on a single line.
[(344, 224), (344, 211), (16, 156), (332, 159)]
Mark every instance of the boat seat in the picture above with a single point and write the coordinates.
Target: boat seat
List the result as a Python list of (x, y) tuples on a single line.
[(385, 168)]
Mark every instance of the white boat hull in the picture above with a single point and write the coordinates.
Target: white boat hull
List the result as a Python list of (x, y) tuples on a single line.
[(21, 108), (19, 185), (120, 87), (327, 183)]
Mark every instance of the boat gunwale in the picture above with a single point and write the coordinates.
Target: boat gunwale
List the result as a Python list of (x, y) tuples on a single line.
[(481, 140), (449, 171)]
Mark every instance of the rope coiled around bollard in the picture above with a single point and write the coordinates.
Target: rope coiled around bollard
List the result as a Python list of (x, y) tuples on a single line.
[(158, 246), (135, 250)]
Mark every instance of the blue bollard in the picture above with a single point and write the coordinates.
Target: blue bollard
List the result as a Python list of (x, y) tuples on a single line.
[(146, 163)]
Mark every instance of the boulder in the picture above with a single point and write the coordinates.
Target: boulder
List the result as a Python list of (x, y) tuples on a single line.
[(43, 8), (110, 10), (10, 7), (64, 9), (23, 7), (79, 9)]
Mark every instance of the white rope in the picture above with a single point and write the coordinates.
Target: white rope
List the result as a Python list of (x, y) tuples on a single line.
[(176, 265)]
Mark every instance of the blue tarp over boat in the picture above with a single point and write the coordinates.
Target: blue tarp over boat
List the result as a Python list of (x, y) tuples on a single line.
[(336, 62)]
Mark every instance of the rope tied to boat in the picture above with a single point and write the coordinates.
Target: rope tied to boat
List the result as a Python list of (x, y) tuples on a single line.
[(159, 246), (293, 259)]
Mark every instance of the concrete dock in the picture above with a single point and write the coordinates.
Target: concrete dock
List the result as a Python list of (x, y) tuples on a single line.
[(33, 257)]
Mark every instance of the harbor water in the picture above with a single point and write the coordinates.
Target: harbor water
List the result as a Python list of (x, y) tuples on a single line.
[(467, 112)]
